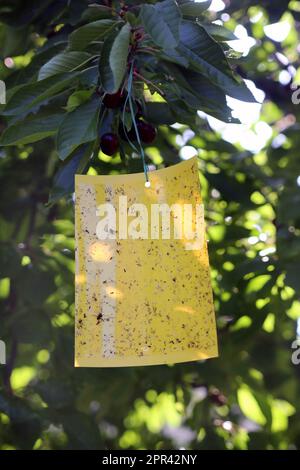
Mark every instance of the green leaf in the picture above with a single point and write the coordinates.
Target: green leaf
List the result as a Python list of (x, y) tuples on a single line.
[(159, 113), (194, 9), (258, 283), (198, 93), (78, 127), (206, 56), (31, 130), (96, 12), (161, 21), (173, 56), (209, 98), (64, 179), (281, 411), (64, 62), (27, 73), (77, 98), (29, 96), (250, 406), (113, 60), (83, 36), (89, 77), (219, 32)]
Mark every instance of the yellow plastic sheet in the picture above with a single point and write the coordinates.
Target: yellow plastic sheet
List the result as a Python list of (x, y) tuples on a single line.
[(143, 291)]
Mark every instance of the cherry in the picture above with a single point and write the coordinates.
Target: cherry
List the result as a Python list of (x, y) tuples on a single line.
[(114, 100), (109, 143), (217, 398), (139, 111), (147, 131)]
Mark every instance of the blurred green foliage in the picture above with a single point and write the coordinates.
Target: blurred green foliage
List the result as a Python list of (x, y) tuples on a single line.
[(249, 398)]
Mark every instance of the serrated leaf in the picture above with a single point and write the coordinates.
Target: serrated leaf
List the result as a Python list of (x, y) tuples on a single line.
[(207, 57), (204, 95), (78, 127), (88, 33), (196, 92), (194, 9), (31, 130), (64, 62), (161, 21), (113, 60), (28, 96)]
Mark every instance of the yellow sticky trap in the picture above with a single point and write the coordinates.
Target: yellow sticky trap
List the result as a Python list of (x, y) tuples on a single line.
[(143, 291)]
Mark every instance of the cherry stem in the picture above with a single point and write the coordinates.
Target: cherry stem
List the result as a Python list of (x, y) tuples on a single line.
[(150, 50), (129, 100), (136, 74)]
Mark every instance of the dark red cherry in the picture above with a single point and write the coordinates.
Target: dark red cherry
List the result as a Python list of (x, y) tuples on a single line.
[(109, 143), (139, 110), (217, 398), (147, 132), (113, 101)]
